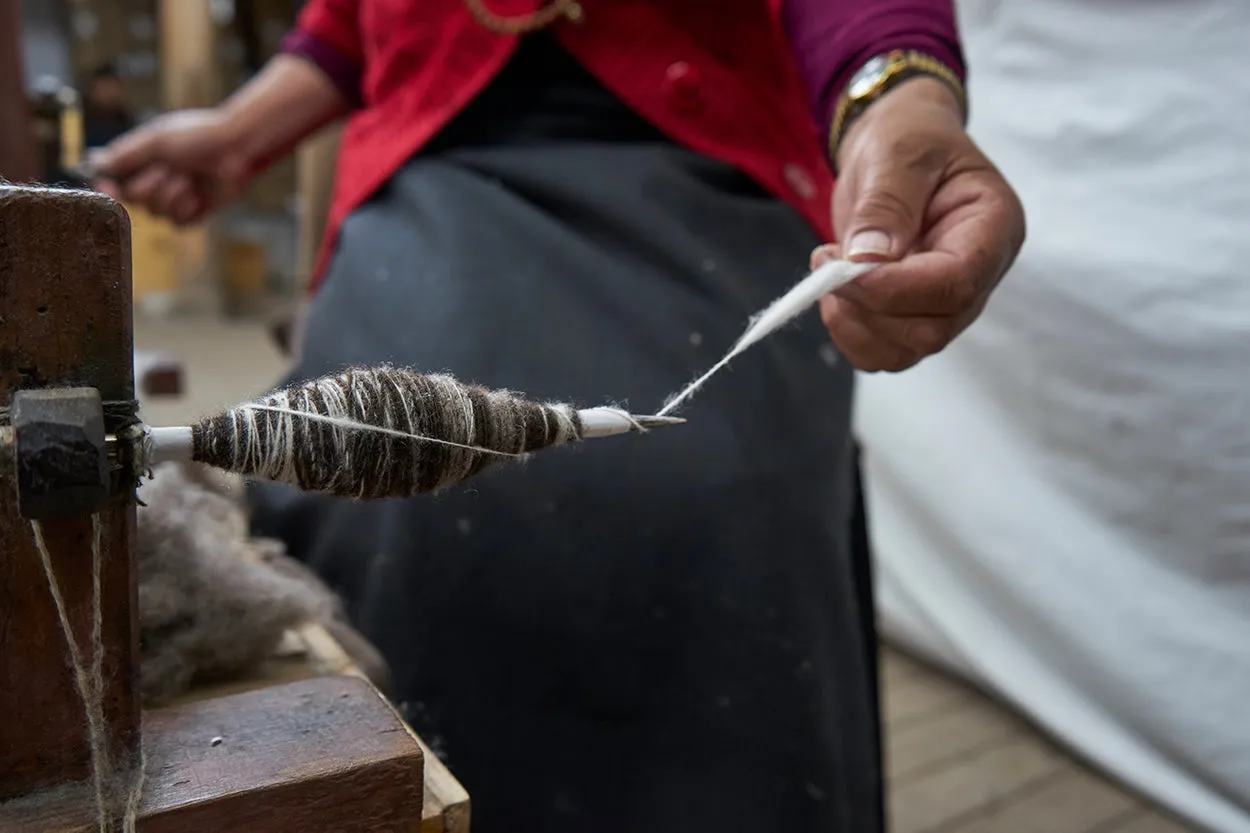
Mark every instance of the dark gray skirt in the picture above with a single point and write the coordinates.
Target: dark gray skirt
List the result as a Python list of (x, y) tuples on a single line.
[(654, 634)]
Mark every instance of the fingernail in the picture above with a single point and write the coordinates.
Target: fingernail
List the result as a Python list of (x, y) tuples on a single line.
[(869, 242), (823, 255)]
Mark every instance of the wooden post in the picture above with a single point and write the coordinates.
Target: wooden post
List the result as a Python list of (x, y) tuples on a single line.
[(324, 754), (65, 321), (17, 141), (315, 161), (190, 79)]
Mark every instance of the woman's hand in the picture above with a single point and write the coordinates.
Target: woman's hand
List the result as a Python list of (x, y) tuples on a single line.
[(180, 166), (915, 193), (185, 164)]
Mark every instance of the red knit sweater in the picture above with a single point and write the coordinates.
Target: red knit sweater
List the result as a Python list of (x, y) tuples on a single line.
[(748, 82)]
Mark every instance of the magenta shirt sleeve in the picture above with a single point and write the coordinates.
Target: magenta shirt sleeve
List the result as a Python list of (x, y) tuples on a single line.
[(831, 39), (342, 71)]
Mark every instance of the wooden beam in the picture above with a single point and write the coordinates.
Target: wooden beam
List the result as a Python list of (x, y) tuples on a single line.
[(323, 754), (65, 321)]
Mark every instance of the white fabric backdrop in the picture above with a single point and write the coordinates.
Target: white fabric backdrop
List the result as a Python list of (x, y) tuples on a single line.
[(1061, 500)]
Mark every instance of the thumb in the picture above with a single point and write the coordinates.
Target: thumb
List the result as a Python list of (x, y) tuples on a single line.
[(887, 210)]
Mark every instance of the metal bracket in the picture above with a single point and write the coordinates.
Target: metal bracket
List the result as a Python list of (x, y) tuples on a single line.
[(59, 452)]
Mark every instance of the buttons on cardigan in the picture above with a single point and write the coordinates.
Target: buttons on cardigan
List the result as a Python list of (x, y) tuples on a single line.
[(681, 84), (800, 181)]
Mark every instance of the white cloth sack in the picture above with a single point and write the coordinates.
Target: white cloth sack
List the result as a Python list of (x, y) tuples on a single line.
[(1061, 501)]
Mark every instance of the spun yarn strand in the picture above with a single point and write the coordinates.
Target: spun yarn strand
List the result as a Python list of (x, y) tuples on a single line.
[(283, 449), (89, 681), (776, 315)]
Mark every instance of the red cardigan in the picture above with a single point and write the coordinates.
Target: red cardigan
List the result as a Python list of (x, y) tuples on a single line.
[(749, 82)]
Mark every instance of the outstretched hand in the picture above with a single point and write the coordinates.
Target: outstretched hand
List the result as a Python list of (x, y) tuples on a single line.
[(916, 194), (181, 165)]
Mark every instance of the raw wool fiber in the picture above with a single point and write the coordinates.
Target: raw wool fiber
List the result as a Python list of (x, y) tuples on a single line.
[(272, 554), (209, 608), (776, 315), (379, 433)]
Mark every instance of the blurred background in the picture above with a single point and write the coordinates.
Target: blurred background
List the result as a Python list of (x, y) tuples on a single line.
[(213, 303), (93, 68)]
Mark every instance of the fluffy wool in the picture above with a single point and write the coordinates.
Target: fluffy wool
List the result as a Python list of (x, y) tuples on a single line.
[(214, 602)]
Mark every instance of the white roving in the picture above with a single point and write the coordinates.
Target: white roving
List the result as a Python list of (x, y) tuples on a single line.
[(780, 312)]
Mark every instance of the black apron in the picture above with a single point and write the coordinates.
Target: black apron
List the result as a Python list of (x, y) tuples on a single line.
[(668, 633)]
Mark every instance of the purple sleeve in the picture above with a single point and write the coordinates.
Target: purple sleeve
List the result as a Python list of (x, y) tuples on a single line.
[(833, 38), (340, 69)]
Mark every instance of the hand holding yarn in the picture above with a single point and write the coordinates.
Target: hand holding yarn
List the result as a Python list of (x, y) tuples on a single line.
[(916, 195)]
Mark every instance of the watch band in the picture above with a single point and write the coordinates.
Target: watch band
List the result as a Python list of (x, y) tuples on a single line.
[(884, 73)]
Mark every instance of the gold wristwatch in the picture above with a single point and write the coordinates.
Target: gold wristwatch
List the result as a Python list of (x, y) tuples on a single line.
[(880, 75)]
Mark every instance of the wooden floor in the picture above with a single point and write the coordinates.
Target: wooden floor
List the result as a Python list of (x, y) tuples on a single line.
[(960, 763), (957, 762)]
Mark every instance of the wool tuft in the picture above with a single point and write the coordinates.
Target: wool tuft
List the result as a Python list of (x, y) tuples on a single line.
[(214, 602)]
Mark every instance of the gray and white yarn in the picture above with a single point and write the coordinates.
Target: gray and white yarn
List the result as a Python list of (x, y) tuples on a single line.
[(379, 433)]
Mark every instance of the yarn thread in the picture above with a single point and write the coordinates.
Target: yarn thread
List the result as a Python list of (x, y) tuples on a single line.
[(776, 315), (107, 781), (380, 433)]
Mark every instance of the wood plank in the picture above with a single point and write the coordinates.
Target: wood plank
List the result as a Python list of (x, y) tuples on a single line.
[(1148, 821), (446, 808), (985, 777), (916, 748), (960, 762), (311, 652), (919, 697), (324, 754), (65, 321), (895, 665), (1076, 801)]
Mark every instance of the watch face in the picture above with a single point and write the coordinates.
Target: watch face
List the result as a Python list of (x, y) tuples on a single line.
[(869, 74)]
